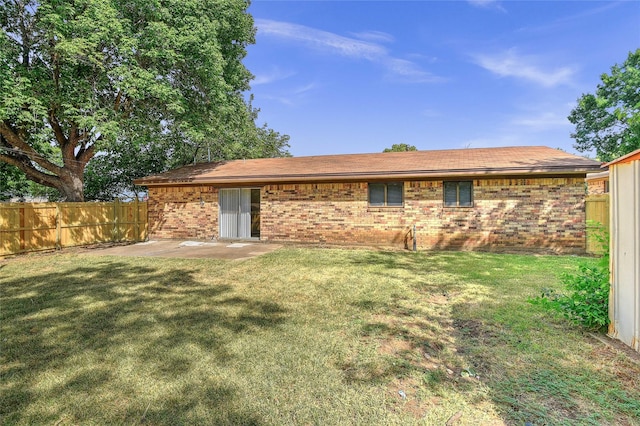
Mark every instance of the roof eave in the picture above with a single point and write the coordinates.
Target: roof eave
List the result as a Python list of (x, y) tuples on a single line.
[(597, 176), (634, 155), (342, 177)]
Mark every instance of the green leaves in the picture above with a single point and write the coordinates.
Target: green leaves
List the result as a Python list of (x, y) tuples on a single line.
[(114, 75), (609, 121), (587, 302), (400, 147)]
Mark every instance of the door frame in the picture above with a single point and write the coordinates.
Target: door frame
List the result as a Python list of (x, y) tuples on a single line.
[(237, 214)]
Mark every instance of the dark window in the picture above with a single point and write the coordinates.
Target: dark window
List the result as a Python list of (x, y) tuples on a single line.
[(385, 194), (458, 194)]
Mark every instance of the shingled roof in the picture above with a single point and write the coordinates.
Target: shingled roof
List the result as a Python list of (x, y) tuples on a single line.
[(450, 163)]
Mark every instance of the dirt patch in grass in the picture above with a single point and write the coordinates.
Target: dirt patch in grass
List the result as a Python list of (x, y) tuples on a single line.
[(425, 359), (395, 347), (439, 299), (470, 335), (405, 397), (619, 363)]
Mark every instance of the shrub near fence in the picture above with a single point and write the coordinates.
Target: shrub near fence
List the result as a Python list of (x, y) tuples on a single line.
[(26, 227)]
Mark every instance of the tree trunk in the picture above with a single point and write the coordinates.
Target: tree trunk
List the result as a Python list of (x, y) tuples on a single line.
[(68, 179), (72, 186)]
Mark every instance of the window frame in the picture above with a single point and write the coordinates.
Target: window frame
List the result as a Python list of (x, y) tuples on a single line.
[(385, 186), (457, 204)]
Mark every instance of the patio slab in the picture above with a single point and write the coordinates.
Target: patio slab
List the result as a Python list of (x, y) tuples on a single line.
[(187, 249)]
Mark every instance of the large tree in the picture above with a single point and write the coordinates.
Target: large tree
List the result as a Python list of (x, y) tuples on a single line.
[(400, 147), (78, 78), (608, 122), (111, 173)]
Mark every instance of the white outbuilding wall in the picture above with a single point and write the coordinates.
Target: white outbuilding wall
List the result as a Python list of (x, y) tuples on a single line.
[(624, 301)]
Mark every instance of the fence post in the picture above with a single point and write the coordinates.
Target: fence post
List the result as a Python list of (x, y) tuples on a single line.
[(114, 234), (58, 227), (21, 223), (136, 219)]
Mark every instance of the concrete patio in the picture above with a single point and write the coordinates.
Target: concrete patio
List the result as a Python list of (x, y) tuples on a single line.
[(228, 250)]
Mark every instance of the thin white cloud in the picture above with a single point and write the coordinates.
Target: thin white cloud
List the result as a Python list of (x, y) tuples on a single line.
[(549, 115), (571, 19), (284, 100), (304, 89), (532, 124), (275, 74), (511, 64), (423, 58), (293, 97), (542, 121), (410, 71), (319, 39), (374, 36), (481, 3), (352, 48), (487, 4)]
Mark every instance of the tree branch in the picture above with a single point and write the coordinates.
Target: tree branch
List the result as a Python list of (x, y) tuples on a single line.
[(33, 174), (57, 130), (86, 154), (116, 104), (13, 140), (73, 134)]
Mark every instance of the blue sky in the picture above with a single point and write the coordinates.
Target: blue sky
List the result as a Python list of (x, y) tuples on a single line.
[(358, 76)]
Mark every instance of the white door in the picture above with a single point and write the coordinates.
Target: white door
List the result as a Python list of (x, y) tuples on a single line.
[(235, 213)]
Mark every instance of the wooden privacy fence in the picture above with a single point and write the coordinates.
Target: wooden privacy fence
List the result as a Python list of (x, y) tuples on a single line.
[(597, 213), (26, 227)]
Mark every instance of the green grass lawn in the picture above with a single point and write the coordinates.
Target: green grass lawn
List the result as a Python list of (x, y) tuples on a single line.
[(300, 336)]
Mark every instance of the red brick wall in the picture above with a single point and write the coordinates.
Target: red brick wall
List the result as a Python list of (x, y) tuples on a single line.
[(183, 212), (327, 213), (529, 214), (598, 186)]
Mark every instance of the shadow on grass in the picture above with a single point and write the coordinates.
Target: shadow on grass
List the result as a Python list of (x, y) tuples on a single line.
[(69, 336), (475, 320), (544, 370)]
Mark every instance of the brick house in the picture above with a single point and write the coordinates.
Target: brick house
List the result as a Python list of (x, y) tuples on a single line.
[(529, 198), (598, 183)]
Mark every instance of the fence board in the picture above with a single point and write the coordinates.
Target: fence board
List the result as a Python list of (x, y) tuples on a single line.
[(26, 227), (597, 214)]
